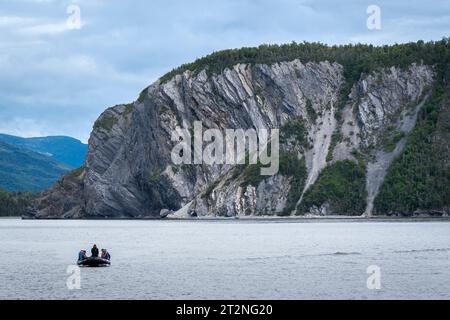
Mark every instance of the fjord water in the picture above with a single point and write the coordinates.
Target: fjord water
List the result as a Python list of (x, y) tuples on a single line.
[(227, 259)]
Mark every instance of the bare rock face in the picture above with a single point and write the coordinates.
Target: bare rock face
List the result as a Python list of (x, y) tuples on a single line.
[(65, 200), (385, 95), (232, 197), (366, 122), (129, 172)]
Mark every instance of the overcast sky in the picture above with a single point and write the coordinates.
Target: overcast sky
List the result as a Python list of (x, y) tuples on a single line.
[(56, 80)]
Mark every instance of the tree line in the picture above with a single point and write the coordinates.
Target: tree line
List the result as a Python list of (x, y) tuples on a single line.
[(356, 59), (14, 204)]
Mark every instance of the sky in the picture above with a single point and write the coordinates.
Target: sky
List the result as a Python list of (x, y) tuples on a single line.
[(58, 73)]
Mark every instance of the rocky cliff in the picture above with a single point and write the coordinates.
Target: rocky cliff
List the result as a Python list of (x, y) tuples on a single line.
[(340, 136)]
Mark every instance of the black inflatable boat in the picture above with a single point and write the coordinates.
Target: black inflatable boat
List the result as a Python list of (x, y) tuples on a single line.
[(94, 263)]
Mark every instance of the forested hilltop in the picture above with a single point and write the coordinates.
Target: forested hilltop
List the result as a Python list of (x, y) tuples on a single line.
[(364, 131), (356, 59)]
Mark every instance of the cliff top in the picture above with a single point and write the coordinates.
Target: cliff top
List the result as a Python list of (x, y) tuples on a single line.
[(357, 59)]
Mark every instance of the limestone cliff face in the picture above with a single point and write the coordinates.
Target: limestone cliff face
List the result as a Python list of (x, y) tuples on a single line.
[(129, 173)]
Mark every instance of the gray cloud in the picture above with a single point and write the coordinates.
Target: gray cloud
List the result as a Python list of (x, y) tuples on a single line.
[(57, 81)]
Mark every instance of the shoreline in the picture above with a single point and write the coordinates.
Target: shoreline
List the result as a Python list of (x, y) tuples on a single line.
[(263, 219), (315, 219)]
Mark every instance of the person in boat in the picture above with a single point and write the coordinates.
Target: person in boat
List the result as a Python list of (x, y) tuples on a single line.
[(94, 251), (105, 255), (82, 255)]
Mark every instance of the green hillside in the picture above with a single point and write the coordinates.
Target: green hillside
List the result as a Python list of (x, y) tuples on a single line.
[(25, 170), (62, 149)]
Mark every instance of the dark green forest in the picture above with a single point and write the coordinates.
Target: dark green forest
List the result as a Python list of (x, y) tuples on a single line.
[(342, 185), (356, 59), (14, 204), (420, 177)]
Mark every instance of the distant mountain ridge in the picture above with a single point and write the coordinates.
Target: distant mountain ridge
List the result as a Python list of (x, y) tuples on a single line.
[(35, 164), (62, 149)]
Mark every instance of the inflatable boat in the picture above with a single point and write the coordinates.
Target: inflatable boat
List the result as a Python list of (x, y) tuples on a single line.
[(94, 263)]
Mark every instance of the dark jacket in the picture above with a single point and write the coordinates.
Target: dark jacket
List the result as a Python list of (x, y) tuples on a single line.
[(94, 252), (81, 256)]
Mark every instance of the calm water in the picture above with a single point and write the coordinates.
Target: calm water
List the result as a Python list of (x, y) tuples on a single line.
[(227, 260)]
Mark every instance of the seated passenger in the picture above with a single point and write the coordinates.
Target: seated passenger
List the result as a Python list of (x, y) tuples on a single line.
[(82, 255), (94, 251), (105, 254)]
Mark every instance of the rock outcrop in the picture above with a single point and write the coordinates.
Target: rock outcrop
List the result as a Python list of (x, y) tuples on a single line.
[(129, 172)]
